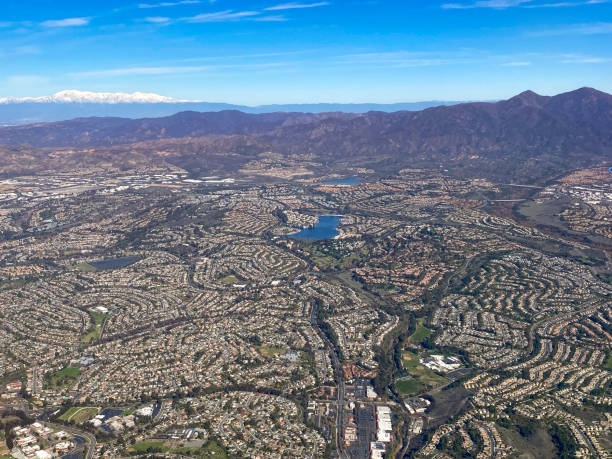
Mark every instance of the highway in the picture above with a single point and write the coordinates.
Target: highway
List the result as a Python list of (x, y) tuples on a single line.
[(314, 321), (91, 447)]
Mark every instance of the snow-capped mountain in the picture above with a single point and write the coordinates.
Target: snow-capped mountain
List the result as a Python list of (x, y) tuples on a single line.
[(72, 103), (73, 96)]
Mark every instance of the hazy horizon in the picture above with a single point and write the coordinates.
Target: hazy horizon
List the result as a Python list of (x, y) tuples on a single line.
[(271, 52)]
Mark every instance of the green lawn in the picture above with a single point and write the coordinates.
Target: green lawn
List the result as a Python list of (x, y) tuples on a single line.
[(270, 351), (608, 363), (68, 414), (335, 260), (94, 332), (92, 335), (85, 268), (210, 450), (319, 258), (62, 378), (422, 377), (409, 386), (421, 333), (80, 414), (231, 279), (127, 412), (98, 317), (150, 447), (410, 360)]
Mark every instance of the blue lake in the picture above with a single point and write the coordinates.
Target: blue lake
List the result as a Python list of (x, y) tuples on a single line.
[(344, 181), (114, 263), (324, 229)]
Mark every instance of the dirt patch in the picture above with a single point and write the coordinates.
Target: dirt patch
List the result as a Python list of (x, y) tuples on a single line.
[(537, 446), (446, 404)]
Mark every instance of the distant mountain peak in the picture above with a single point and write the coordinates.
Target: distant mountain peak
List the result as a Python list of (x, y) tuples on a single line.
[(584, 93), (70, 96), (528, 98), (587, 90)]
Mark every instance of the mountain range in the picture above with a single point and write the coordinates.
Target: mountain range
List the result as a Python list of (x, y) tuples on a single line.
[(525, 139), (71, 104)]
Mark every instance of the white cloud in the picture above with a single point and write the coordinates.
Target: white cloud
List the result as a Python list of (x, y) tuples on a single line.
[(593, 28), (402, 59), (157, 19), (295, 5), (504, 4), (567, 4), (277, 18), (26, 80), (496, 4), (173, 70), (517, 64), (231, 15), (166, 4), (68, 22), (581, 59), (135, 71), (221, 16)]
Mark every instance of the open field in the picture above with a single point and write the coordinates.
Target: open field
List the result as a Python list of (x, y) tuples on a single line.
[(326, 258), (92, 335), (79, 414), (271, 351), (150, 447), (211, 449), (62, 378), (410, 386), (85, 268), (538, 445), (230, 279), (422, 377), (421, 333), (608, 364), (94, 332)]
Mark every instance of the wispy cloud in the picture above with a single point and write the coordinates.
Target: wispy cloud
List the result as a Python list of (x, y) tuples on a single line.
[(496, 4), (230, 15), (26, 80), (136, 71), (402, 59), (167, 4), (27, 49), (221, 16), (251, 55), (590, 28), (566, 4), (461, 57), (175, 70), (275, 18), (582, 59), (157, 19), (68, 22), (504, 4), (295, 6)]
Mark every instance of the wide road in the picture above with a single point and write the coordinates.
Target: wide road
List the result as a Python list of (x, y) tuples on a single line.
[(91, 447), (314, 321)]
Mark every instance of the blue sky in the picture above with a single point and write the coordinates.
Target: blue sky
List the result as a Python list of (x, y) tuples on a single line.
[(258, 52)]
